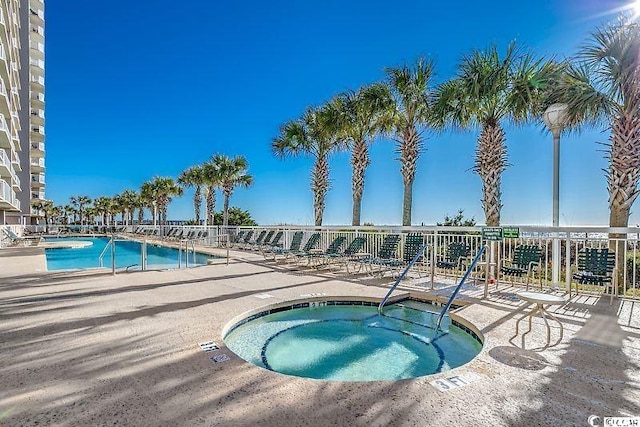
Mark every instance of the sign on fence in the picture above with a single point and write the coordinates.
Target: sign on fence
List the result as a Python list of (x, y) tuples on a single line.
[(510, 232), (492, 233)]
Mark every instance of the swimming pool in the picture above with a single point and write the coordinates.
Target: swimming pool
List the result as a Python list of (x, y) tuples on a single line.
[(350, 341), (127, 255)]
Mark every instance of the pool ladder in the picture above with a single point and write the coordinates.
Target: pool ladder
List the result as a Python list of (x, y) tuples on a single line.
[(455, 291), (402, 275), (112, 245)]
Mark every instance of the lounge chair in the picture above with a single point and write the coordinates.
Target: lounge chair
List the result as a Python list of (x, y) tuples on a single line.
[(412, 245), (258, 240), (525, 261), (308, 247), (456, 255), (15, 240), (296, 242), (235, 240), (272, 244), (316, 258), (385, 257), (265, 242), (596, 267), (350, 254)]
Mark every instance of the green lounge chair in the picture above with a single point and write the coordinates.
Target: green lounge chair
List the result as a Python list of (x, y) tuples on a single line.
[(456, 255), (525, 261), (596, 267), (296, 242), (311, 244), (319, 259), (385, 257)]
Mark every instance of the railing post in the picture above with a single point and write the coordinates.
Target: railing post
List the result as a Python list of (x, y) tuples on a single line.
[(113, 254), (567, 266), (434, 251), (555, 259), (143, 261)]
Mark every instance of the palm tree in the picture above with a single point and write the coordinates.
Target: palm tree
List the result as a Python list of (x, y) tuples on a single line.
[(47, 208), (194, 177), (148, 198), (361, 116), (487, 91), (162, 190), (79, 202), (232, 173), (103, 206), (314, 134), (212, 182), (602, 87), (411, 92), (128, 203)]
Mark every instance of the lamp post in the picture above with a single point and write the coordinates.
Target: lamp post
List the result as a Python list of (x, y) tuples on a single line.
[(555, 117)]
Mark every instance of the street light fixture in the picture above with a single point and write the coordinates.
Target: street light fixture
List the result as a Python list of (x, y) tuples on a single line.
[(555, 117)]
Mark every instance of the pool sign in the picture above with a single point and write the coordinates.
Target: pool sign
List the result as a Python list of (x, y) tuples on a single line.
[(492, 233), (510, 232)]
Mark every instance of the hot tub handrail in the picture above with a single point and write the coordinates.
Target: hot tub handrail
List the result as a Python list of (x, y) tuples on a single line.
[(404, 273), (455, 291)]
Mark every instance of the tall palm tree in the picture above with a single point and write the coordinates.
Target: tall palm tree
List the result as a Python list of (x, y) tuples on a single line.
[(232, 173), (128, 200), (314, 134), (211, 176), (602, 87), (47, 209), (411, 91), (162, 190), (194, 177), (79, 202), (103, 207), (488, 90), (361, 116), (148, 197)]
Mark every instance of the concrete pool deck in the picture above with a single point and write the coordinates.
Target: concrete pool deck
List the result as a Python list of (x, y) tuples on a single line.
[(89, 348)]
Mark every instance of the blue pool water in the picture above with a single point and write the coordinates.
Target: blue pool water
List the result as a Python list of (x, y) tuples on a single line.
[(127, 254), (352, 343)]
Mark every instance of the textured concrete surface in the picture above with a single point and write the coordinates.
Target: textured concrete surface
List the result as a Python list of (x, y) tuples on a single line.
[(89, 348)]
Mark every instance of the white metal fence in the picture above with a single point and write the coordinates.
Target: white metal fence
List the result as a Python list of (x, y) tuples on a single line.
[(554, 271)]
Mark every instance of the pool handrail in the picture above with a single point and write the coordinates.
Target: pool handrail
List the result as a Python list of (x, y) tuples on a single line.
[(402, 275), (455, 291)]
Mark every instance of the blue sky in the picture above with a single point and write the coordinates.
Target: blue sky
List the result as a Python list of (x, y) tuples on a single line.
[(142, 88)]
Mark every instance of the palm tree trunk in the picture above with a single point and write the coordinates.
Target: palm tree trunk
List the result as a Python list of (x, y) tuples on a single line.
[(319, 185), (359, 162), (225, 215), (211, 204), (197, 200), (409, 153), (140, 215), (622, 178), (491, 161)]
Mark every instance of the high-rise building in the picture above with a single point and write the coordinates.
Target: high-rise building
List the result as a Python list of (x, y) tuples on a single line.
[(22, 149)]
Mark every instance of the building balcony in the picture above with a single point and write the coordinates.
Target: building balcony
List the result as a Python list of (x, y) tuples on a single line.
[(37, 148), (37, 63), (37, 195), (37, 164), (15, 159), (8, 199), (5, 133), (37, 133), (37, 29), (37, 80), (37, 13), (37, 180), (37, 99), (5, 164)]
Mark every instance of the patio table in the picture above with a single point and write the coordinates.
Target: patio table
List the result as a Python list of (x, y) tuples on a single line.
[(541, 299)]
